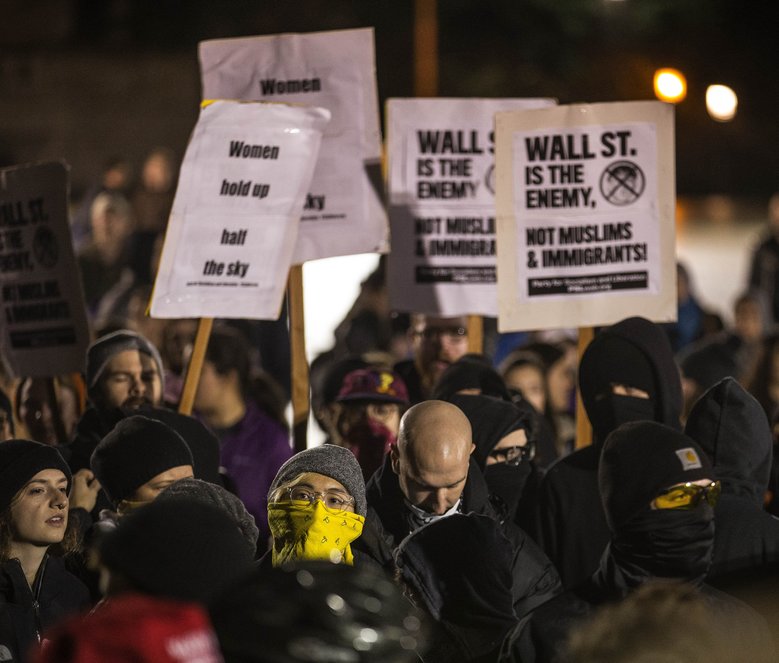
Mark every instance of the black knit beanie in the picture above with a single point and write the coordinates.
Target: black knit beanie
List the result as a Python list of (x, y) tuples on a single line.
[(134, 452), (639, 460), (20, 461), (178, 548), (202, 443)]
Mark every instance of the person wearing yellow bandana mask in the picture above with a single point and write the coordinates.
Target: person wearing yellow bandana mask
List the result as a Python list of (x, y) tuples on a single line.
[(316, 506)]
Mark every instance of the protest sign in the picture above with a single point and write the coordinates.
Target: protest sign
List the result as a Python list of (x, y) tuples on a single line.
[(343, 213), (585, 200), (44, 321), (442, 203), (233, 226)]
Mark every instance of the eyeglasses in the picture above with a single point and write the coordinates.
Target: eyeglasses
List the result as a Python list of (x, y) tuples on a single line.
[(688, 496), (446, 333), (332, 499), (514, 455)]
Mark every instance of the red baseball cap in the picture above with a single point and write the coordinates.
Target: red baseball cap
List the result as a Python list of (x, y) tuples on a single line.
[(373, 384)]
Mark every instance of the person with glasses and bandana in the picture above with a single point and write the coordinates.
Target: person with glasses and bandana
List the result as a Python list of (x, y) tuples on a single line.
[(437, 343), (316, 507), (659, 491)]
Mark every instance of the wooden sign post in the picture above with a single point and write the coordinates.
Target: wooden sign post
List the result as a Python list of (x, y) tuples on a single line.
[(299, 363), (195, 365)]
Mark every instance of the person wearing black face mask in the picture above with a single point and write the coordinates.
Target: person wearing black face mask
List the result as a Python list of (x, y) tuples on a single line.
[(626, 374), (505, 439), (658, 490)]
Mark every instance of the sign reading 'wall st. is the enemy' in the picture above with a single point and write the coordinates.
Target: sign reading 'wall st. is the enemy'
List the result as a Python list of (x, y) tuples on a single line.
[(586, 215), (43, 321), (343, 213), (234, 222), (442, 203)]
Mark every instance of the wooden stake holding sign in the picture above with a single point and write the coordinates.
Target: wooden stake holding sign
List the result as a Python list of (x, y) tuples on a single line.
[(195, 365), (583, 427), (299, 363)]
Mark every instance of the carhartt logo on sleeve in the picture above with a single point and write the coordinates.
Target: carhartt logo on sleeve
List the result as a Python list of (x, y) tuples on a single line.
[(689, 458)]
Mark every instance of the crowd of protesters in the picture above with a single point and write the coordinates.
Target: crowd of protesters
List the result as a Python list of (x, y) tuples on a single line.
[(453, 514)]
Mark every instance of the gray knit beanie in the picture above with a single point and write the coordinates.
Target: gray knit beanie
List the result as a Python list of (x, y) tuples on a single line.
[(105, 347), (204, 492), (332, 461)]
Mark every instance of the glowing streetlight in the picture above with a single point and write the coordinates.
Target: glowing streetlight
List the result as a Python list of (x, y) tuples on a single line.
[(721, 102), (670, 85)]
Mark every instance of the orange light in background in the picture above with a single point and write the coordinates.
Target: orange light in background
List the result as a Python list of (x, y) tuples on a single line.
[(721, 102), (670, 85)]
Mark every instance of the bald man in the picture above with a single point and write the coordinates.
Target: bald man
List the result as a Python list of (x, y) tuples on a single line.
[(429, 475)]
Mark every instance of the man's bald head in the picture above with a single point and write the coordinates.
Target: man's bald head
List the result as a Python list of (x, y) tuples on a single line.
[(432, 455)]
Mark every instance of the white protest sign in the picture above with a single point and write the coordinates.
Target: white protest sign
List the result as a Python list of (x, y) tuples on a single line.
[(442, 203), (44, 322), (343, 213), (233, 226), (585, 199)]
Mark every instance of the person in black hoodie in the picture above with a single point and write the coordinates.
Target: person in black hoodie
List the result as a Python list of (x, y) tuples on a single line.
[(429, 475), (505, 439), (465, 589), (658, 493), (732, 429), (35, 589), (627, 373)]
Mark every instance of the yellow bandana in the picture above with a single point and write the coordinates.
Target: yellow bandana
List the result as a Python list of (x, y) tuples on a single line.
[(304, 531)]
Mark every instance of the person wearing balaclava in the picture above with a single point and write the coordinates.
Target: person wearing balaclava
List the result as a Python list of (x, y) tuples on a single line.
[(316, 507), (658, 490), (505, 439), (732, 429), (627, 373)]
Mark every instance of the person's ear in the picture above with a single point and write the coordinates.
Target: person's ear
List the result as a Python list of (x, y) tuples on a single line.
[(473, 448), (394, 458)]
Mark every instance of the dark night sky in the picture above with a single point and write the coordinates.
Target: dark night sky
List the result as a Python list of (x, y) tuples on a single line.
[(574, 50)]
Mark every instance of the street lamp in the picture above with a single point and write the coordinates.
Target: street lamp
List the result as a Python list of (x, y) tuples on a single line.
[(670, 85), (721, 102)]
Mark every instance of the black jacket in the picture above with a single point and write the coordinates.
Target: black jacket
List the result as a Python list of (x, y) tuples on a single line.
[(731, 427), (57, 594), (569, 523), (535, 580)]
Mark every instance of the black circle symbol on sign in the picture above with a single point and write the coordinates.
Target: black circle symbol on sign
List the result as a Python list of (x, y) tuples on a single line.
[(489, 179), (622, 183), (44, 247)]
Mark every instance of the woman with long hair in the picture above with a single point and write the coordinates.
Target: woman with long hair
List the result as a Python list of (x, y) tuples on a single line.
[(35, 588)]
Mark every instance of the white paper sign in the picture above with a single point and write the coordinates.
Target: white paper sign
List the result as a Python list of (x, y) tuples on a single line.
[(343, 213), (442, 203), (233, 226), (586, 215), (44, 322)]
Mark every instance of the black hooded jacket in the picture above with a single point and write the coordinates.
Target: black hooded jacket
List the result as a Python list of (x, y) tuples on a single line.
[(25, 615), (535, 580), (570, 524), (732, 429)]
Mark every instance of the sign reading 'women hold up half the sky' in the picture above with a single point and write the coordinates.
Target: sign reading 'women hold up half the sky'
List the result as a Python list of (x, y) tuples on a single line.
[(235, 217)]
